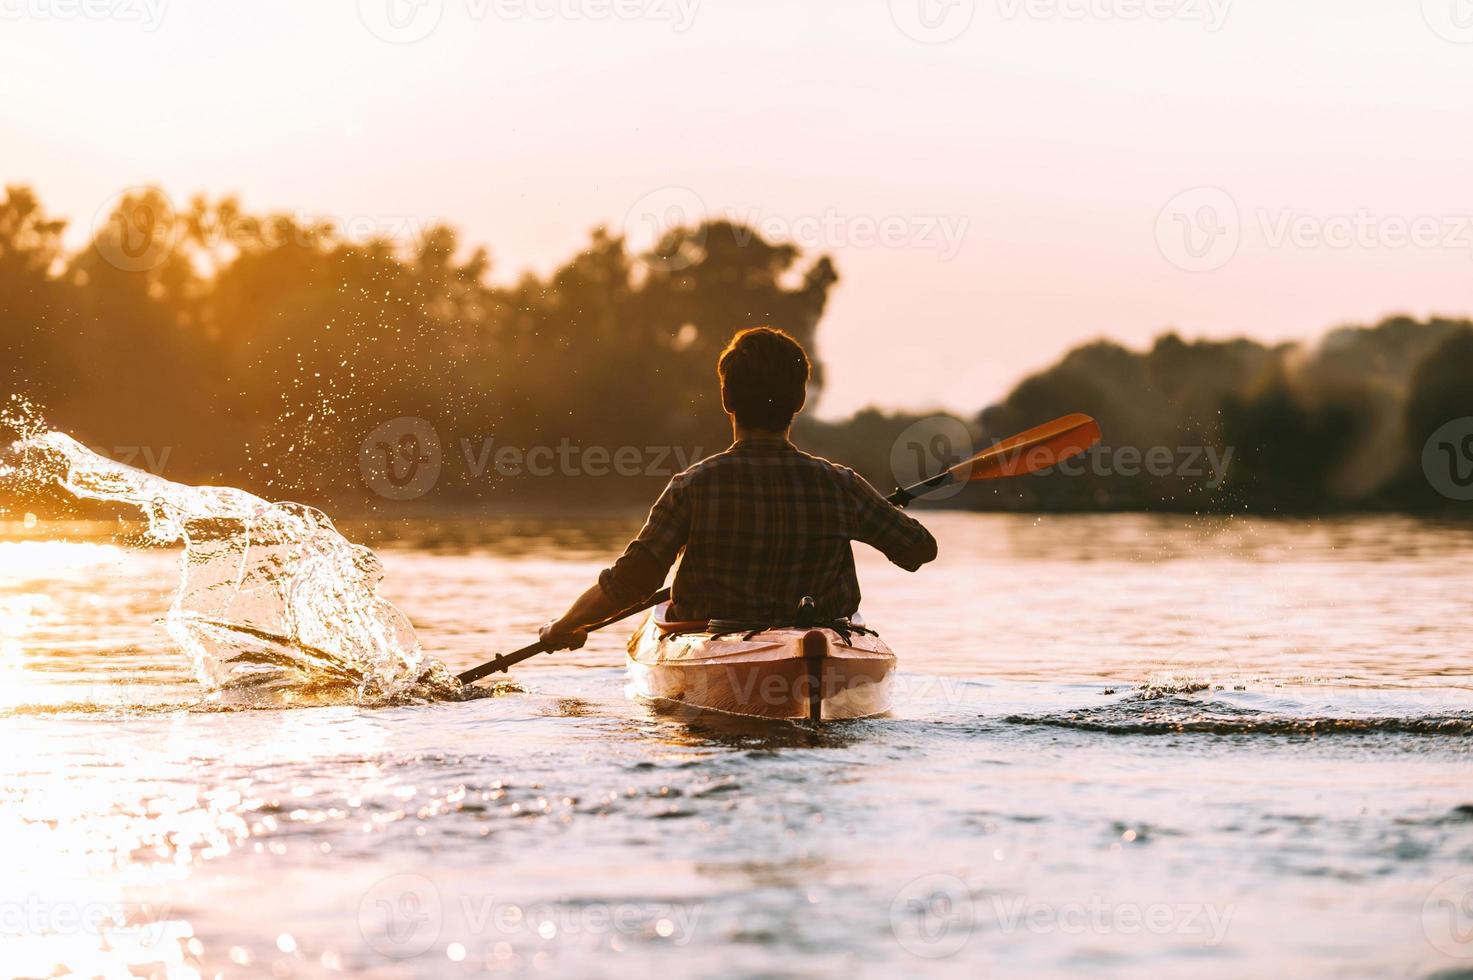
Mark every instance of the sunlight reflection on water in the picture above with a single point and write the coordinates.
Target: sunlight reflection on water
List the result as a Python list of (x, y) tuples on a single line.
[(1247, 718)]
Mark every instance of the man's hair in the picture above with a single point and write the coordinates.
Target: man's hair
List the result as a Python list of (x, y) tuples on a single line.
[(764, 378)]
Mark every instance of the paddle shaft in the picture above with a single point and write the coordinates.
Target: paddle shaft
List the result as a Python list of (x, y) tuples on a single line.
[(507, 660), (904, 495)]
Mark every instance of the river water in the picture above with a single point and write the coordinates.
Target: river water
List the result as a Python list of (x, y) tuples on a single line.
[(1124, 745)]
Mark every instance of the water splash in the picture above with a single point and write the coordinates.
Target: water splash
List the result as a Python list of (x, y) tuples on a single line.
[(273, 603), (1182, 716)]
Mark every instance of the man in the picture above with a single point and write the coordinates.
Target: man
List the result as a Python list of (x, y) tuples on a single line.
[(761, 525)]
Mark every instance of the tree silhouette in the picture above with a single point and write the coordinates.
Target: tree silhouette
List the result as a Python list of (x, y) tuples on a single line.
[(261, 349)]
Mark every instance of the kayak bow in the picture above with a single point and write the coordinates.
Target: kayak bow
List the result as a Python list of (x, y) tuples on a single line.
[(815, 673)]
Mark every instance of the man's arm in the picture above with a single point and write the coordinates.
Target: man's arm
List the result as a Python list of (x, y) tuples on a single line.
[(923, 551), (890, 530), (567, 633), (637, 574)]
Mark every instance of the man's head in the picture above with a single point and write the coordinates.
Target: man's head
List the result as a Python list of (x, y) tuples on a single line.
[(764, 379)]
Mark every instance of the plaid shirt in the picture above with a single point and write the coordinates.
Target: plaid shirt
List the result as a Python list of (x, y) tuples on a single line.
[(762, 525)]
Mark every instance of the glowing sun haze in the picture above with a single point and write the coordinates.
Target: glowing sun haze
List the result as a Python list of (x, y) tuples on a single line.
[(1055, 171)]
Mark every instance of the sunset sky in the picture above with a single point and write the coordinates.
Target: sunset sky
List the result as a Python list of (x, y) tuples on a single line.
[(991, 198)]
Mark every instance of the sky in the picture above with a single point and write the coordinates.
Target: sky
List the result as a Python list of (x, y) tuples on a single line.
[(997, 180)]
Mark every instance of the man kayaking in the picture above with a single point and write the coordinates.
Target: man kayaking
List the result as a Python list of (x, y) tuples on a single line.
[(761, 525)]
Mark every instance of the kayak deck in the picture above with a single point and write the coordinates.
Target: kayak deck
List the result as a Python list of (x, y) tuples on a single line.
[(788, 672)]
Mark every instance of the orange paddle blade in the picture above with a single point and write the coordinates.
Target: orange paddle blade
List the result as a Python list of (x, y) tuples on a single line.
[(1037, 449)]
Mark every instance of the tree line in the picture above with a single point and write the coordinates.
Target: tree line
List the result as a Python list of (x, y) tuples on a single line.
[(267, 351)]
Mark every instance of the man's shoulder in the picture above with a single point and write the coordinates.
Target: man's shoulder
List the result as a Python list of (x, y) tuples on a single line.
[(728, 460), (703, 467), (819, 463), (705, 470)]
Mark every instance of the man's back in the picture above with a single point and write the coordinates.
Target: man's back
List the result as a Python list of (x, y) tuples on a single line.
[(762, 525)]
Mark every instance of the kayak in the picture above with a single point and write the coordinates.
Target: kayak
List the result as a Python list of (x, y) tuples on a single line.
[(819, 674)]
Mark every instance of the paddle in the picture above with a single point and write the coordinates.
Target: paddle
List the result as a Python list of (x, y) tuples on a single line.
[(1037, 449), (507, 660)]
